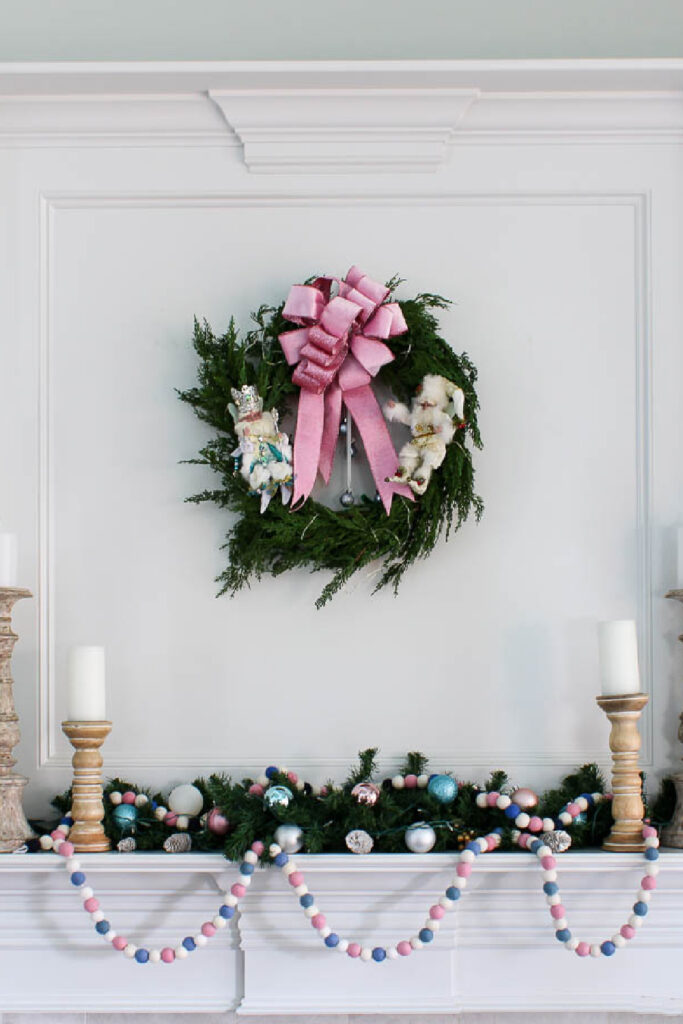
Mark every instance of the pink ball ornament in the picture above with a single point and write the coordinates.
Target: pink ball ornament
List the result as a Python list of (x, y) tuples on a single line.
[(119, 942), (208, 929), (557, 911), (463, 870), (436, 912), (238, 890), (535, 824), (525, 798), (256, 789), (66, 850), (354, 949), (293, 777), (583, 949), (646, 882), (296, 878), (167, 955), (649, 832), (627, 931), (319, 921), (91, 905), (171, 819), (217, 822), (548, 863), (128, 798), (258, 848), (411, 781), (492, 798), (404, 948)]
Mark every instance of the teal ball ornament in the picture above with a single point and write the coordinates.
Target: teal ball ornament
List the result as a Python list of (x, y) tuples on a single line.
[(125, 816), (443, 788), (277, 798)]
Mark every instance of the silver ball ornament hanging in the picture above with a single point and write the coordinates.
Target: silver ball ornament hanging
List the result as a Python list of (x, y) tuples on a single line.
[(347, 499), (359, 841), (343, 427), (277, 797), (289, 838), (420, 837), (443, 788)]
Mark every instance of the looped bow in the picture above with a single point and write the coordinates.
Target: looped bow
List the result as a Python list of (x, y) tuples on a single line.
[(338, 349)]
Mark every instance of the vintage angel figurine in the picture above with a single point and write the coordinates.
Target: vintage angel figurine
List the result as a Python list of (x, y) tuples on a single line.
[(264, 454)]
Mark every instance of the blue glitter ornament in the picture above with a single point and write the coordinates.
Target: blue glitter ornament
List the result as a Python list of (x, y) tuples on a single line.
[(277, 796), (125, 816), (443, 788)]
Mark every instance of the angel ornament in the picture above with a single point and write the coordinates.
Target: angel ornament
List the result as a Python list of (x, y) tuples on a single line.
[(264, 455), (438, 403)]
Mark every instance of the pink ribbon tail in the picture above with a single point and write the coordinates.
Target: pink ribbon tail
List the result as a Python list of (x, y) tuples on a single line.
[(379, 450), (307, 441), (330, 436)]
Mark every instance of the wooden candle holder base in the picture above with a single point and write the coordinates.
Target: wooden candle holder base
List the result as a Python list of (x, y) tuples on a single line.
[(623, 711), (87, 809), (14, 829)]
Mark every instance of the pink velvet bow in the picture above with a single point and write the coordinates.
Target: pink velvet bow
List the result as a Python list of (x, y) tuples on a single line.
[(338, 351)]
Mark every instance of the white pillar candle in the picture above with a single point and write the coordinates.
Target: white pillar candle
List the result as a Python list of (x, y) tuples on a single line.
[(618, 649), (86, 685), (8, 559)]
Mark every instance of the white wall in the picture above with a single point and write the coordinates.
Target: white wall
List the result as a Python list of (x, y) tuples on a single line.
[(563, 255)]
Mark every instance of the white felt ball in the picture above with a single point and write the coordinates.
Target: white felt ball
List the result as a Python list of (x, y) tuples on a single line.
[(180, 952), (183, 823), (300, 785), (503, 801), (522, 820), (434, 925), (86, 892), (219, 922), (200, 940), (514, 835), (550, 876), (481, 800), (571, 944), (130, 950), (398, 782), (311, 911), (274, 849), (543, 851), (416, 942), (467, 856), (581, 803), (324, 932), (111, 935), (115, 798), (651, 868), (482, 844), (548, 825), (619, 940), (595, 950), (343, 945), (154, 956), (186, 799), (445, 902), (250, 857), (566, 818), (96, 916), (552, 900), (635, 921), (46, 842), (160, 813), (263, 780), (422, 781), (365, 954), (73, 865), (141, 800), (393, 953), (301, 890), (644, 896)]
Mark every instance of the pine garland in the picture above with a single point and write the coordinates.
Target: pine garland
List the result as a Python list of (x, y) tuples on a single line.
[(317, 537)]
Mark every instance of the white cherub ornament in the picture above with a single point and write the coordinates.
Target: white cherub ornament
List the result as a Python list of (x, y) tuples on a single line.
[(264, 455), (431, 418)]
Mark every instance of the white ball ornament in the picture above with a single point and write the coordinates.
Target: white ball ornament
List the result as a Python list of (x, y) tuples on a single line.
[(422, 781), (595, 950), (154, 956), (619, 940), (398, 782), (160, 812), (548, 825), (522, 820), (186, 799), (46, 842), (183, 823), (289, 837), (115, 798), (420, 837), (503, 802), (365, 954), (181, 953), (200, 940), (343, 945), (141, 800), (130, 950)]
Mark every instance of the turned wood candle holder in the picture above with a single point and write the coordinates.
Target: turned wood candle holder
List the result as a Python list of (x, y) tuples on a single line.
[(623, 711), (87, 809), (14, 829), (672, 835)]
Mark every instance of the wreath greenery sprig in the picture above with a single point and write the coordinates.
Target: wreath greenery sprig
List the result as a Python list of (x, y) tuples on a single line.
[(316, 536)]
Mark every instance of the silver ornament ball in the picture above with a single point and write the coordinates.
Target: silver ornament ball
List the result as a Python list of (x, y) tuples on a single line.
[(347, 499), (289, 838), (277, 796), (420, 837)]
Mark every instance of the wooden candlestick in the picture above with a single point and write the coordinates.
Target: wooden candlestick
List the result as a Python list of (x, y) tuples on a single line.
[(87, 810), (14, 829), (623, 711), (672, 835)]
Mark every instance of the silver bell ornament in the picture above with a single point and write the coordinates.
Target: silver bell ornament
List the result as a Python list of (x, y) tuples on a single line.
[(347, 499), (277, 797), (420, 837), (443, 788), (289, 838)]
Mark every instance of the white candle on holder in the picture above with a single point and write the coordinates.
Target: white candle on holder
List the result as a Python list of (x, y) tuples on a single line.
[(86, 685), (8, 559), (618, 651)]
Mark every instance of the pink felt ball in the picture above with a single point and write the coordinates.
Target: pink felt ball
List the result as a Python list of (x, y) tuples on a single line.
[(627, 931), (258, 848), (353, 949), (492, 842), (58, 834), (492, 799), (649, 832), (293, 777), (119, 942), (557, 911), (646, 882), (128, 798), (66, 850), (583, 949), (170, 819), (217, 822), (167, 955), (256, 789), (91, 905), (208, 929), (296, 878), (238, 890), (324, 791), (411, 781), (535, 824), (548, 863), (522, 841), (436, 912), (574, 810), (319, 921), (464, 870), (404, 948)]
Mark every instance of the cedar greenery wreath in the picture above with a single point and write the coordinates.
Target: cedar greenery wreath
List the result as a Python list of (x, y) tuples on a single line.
[(271, 536)]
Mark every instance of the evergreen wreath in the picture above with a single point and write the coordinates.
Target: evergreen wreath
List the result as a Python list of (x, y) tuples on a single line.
[(315, 535)]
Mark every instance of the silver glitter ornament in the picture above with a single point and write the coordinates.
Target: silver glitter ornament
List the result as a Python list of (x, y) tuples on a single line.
[(181, 842), (558, 840), (347, 499), (126, 845), (420, 837), (366, 793), (277, 796), (289, 838), (359, 841)]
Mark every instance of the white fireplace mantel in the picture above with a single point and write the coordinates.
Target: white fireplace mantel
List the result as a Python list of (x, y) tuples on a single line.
[(271, 961)]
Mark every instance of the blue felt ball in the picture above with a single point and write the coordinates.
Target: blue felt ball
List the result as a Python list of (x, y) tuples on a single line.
[(640, 908), (558, 823), (608, 949), (271, 771), (426, 935), (443, 788), (246, 869), (536, 845), (78, 878), (512, 810), (307, 900), (550, 888), (142, 956), (125, 816), (67, 821), (189, 943), (102, 927), (475, 848), (563, 935), (588, 798), (651, 853), (452, 893), (280, 860), (226, 912), (332, 940), (379, 954)]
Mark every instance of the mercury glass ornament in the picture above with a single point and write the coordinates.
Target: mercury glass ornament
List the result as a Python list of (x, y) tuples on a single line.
[(347, 499), (125, 816), (187, 800), (443, 788), (277, 796), (366, 793), (420, 837), (524, 798), (558, 840), (289, 838), (359, 841)]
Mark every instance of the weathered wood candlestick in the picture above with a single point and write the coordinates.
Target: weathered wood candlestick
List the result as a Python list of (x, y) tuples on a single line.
[(623, 711), (87, 810), (672, 835), (14, 829)]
